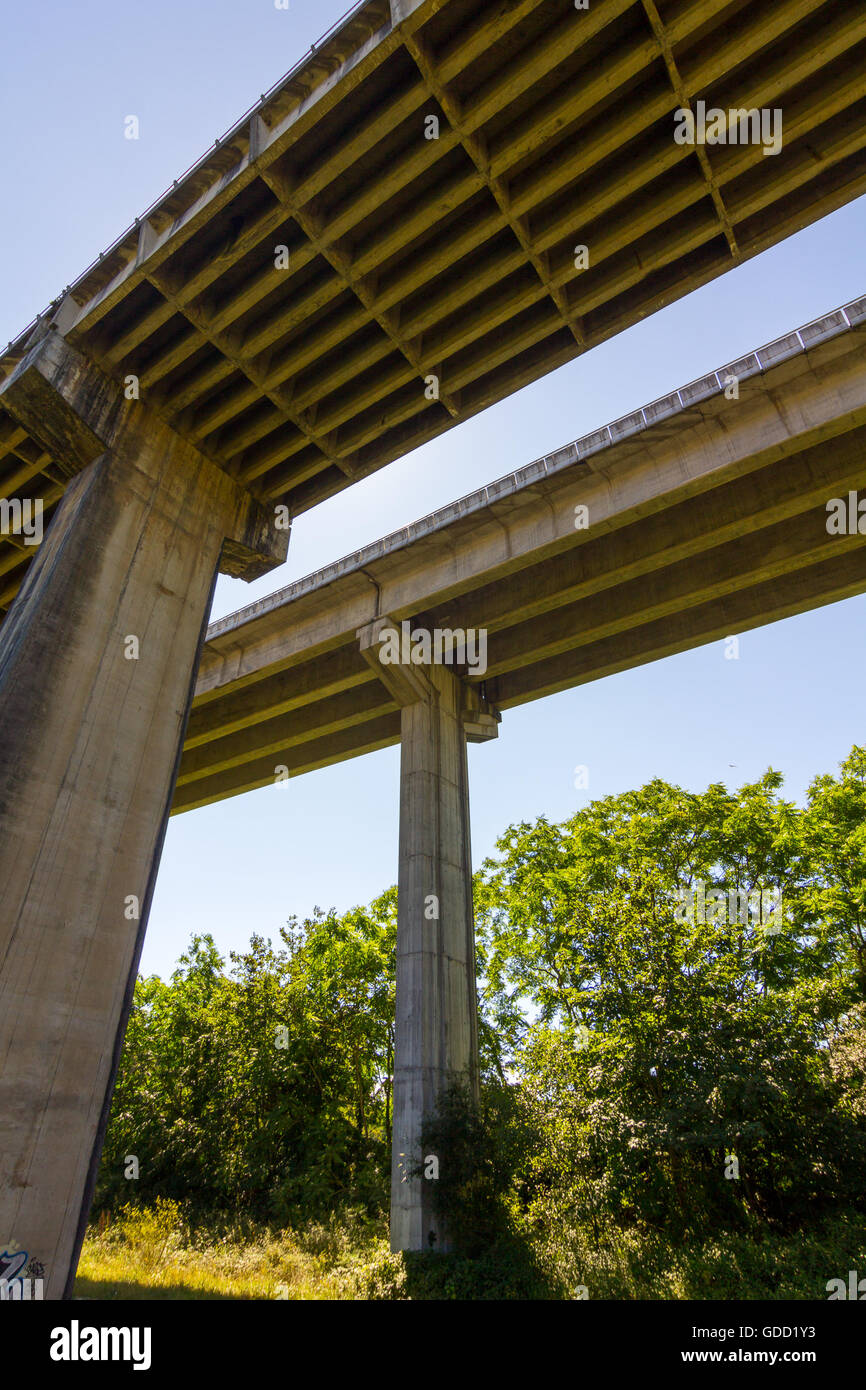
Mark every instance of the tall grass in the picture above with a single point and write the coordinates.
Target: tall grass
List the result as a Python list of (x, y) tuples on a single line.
[(156, 1252)]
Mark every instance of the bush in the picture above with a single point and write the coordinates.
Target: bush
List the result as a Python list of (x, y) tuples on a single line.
[(483, 1147)]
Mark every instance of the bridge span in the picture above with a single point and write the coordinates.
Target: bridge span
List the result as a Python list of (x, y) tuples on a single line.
[(704, 515)]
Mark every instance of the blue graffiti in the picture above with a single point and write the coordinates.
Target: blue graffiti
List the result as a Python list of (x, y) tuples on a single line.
[(13, 1283)]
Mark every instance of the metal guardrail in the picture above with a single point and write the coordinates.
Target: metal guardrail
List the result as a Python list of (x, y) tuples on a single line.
[(197, 164), (828, 326)]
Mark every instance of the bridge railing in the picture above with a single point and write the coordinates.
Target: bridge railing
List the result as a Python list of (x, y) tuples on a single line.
[(838, 321)]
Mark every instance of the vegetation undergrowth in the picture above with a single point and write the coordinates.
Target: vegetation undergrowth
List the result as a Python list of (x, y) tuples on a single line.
[(672, 1092)]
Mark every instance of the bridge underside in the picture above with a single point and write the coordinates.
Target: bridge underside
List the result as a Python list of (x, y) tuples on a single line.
[(707, 523), (454, 257)]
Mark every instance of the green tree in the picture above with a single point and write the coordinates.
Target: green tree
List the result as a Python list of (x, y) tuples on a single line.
[(267, 1085), (665, 1034)]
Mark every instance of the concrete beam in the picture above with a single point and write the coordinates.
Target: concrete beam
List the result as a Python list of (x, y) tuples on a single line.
[(408, 681), (284, 692), (767, 601), (382, 732), (98, 661), (357, 705)]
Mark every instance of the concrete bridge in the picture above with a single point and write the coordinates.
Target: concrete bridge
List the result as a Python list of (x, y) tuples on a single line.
[(697, 517), (445, 200)]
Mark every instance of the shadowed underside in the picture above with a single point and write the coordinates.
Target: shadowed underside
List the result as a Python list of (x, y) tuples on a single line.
[(454, 257)]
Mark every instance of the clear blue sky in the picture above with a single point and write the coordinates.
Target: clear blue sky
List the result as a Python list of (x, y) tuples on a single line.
[(69, 75)]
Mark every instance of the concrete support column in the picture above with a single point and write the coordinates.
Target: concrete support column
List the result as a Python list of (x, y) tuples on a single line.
[(436, 1002), (97, 667)]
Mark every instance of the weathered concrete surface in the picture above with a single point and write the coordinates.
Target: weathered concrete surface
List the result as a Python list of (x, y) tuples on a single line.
[(90, 734), (436, 1004)]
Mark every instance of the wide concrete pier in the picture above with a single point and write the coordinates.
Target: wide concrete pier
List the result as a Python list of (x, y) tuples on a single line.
[(98, 662)]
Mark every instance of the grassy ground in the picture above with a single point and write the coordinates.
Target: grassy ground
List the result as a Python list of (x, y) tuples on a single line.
[(151, 1253)]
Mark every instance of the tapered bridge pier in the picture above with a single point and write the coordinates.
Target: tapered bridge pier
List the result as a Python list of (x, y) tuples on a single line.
[(98, 660)]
